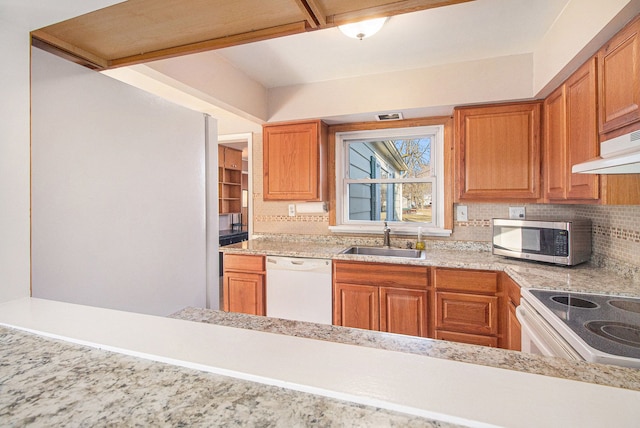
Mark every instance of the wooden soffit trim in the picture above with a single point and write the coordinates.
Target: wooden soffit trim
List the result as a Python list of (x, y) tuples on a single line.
[(137, 31)]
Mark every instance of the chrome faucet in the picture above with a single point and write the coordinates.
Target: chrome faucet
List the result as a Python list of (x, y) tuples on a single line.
[(387, 238)]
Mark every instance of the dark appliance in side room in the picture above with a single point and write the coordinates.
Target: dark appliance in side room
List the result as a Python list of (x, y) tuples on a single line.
[(231, 236)]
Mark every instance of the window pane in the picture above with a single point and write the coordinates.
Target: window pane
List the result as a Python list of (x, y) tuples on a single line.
[(407, 202), (400, 158)]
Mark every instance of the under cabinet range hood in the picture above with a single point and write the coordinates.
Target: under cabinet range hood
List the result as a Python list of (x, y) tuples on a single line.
[(620, 155)]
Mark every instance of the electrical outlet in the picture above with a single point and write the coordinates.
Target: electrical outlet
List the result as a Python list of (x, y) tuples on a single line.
[(516, 212), (292, 210), (461, 213)]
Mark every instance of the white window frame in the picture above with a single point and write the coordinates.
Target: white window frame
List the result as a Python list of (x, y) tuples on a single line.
[(436, 228)]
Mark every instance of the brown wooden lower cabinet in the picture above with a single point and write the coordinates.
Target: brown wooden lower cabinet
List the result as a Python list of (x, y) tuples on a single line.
[(468, 306), (385, 297), (460, 305), (357, 306), (244, 284), (403, 311), (513, 329)]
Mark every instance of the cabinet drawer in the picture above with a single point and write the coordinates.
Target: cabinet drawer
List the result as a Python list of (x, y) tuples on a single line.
[(239, 262), (467, 313), (377, 274), (475, 281), (472, 339)]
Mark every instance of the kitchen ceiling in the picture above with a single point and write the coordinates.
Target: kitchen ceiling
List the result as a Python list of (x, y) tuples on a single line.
[(458, 33), (136, 31), (289, 44)]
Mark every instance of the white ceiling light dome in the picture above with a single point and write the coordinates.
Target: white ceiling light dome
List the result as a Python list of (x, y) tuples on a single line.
[(363, 29)]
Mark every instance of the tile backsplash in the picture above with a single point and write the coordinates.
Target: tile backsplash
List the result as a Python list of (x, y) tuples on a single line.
[(616, 229)]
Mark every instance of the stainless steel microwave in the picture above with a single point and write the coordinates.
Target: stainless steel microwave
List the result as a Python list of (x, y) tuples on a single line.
[(553, 241)]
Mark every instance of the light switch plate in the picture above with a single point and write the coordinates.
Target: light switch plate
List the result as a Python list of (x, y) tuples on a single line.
[(461, 213), (516, 212), (292, 210)]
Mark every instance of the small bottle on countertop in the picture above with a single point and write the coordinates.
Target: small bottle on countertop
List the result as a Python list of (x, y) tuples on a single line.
[(419, 242)]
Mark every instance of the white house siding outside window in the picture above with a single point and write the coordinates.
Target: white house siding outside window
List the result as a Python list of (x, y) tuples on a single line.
[(392, 175)]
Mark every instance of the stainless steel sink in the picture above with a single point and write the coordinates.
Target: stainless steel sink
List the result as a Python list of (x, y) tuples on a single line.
[(386, 252)]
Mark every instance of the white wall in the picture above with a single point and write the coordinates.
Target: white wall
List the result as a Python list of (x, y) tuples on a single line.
[(425, 91), (17, 19), (580, 30), (14, 161), (118, 193), (582, 27), (219, 81), (230, 119)]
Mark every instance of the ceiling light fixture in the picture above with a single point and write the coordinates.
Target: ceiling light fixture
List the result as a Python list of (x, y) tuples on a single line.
[(363, 29)]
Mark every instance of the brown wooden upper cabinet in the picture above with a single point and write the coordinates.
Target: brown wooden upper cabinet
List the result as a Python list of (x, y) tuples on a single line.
[(498, 152), (232, 158), (571, 137), (619, 78), (295, 161)]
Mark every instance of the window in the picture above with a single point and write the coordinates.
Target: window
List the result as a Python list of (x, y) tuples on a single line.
[(392, 175)]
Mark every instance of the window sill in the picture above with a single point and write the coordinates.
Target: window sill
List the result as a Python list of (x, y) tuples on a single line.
[(397, 230)]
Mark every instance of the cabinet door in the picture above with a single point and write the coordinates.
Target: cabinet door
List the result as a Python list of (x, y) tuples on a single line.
[(467, 313), (244, 292), (403, 311), (357, 306), (571, 137), (498, 152), (294, 161), (619, 79), (555, 143), (582, 131), (232, 159)]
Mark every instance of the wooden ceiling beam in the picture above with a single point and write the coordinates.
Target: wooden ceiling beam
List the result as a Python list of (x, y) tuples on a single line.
[(389, 9), (207, 45), (49, 43), (314, 15), (313, 12)]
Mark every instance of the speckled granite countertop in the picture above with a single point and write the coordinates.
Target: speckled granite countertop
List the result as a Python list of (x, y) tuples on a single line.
[(48, 382), (581, 278), (602, 374)]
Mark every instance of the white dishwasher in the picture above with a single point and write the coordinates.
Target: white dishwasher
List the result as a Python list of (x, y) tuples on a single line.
[(299, 289)]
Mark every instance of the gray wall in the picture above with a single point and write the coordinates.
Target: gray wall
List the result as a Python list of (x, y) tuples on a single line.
[(118, 193)]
